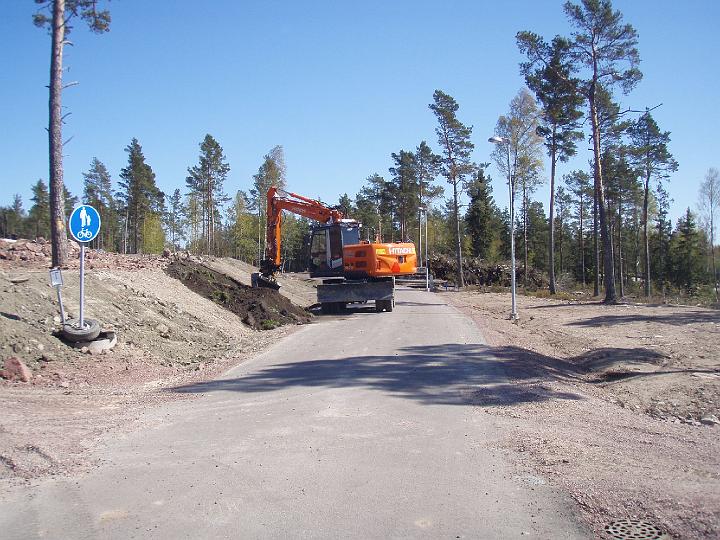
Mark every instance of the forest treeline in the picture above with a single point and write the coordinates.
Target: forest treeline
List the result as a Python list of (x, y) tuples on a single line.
[(139, 218), (607, 227)]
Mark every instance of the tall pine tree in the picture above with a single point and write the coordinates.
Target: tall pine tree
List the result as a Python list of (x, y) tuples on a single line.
[(455, 162), (140, 196), (56, 15), (557, 92), (205, 180)]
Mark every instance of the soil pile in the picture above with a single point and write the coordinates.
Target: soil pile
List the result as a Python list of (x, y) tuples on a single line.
[(480, 272), (262, 309)]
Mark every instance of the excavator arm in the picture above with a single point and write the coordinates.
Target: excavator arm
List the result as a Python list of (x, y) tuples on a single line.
[(277, 201)]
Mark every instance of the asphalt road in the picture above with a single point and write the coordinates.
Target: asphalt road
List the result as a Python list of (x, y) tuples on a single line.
[(356, 426)]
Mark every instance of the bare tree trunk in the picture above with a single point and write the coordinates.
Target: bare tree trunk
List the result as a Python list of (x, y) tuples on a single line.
[(525, 233), (582, 239), (712, 248), (646, 241), (619, 236), (57, 203), (608, 263), (552, 215), (596, 245), (458, 244)]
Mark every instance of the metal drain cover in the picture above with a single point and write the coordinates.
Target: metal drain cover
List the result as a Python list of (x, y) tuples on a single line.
[(634, 529)]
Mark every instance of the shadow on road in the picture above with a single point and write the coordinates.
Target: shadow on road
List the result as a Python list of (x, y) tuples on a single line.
[(448, 374), (675, 319)]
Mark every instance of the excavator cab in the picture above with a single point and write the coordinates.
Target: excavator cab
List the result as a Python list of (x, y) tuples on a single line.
[(326, 247)]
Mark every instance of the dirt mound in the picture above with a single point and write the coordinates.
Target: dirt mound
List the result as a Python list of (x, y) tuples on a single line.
[(262, 309)]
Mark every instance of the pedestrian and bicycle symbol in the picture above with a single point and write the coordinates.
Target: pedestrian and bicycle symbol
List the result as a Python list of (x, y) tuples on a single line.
[(84, 223)]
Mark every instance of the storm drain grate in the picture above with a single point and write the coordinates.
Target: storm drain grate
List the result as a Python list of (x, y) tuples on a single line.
[(634, 529)]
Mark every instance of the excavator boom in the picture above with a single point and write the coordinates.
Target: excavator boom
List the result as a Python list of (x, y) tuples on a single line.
[(277, 201)]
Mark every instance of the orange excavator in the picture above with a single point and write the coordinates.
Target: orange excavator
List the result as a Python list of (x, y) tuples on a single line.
[(351, 270)]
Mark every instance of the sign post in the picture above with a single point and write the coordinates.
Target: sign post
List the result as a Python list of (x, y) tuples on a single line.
[(56, 281), (84, 225)]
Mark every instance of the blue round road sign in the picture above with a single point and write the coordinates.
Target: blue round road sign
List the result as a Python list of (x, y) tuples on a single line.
[(84, 223)]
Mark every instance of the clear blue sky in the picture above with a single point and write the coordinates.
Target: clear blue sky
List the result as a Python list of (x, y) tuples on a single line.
[(340, 85)]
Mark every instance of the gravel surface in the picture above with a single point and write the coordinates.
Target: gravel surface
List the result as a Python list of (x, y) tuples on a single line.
[(609, 401), (167, 335), (616, 404)]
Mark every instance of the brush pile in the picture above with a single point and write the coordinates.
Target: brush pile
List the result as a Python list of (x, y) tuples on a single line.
[(483, 273)]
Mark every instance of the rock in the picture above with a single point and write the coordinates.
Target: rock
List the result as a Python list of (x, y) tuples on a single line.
[(57, 319), (104, 342), (99, 346), (64, 384), (710, 420), (163, 329), (166, 253), (18, 279), (46, 358), (16, 369)]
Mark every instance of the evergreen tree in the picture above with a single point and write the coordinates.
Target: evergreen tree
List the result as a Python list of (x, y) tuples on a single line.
[(97, 192), (563, 199), (345, 204), (205, 180), (373, 207), (664, 231), (537, 237), (580, 188), (13, 219), (560, 100), (482, 217), (655, 161), (40, 211), (60, 14), (140, 196), (176, 219), (455, 163), (603, 54), (71, 201), (405, 190), (685, 253)]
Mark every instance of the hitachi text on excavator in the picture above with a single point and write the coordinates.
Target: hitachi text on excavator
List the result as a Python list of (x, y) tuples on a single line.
[(351, 270)]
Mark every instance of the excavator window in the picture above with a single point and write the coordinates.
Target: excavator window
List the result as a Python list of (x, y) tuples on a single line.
[(318, 249), (336, 245), (350, 236)]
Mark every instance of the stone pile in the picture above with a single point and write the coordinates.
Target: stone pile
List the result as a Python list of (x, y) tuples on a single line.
[(37, 253), (30, 250)]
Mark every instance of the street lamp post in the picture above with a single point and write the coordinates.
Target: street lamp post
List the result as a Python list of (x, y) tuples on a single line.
[(423, 212), (511, 188)]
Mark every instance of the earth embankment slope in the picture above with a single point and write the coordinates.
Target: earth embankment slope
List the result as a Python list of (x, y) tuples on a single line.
[(167, 334)]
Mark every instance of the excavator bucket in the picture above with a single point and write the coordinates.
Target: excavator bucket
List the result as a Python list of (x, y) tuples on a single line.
[(258, 280)]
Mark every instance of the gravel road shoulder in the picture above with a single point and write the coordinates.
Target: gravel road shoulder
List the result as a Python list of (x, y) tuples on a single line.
[(613, 403)]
